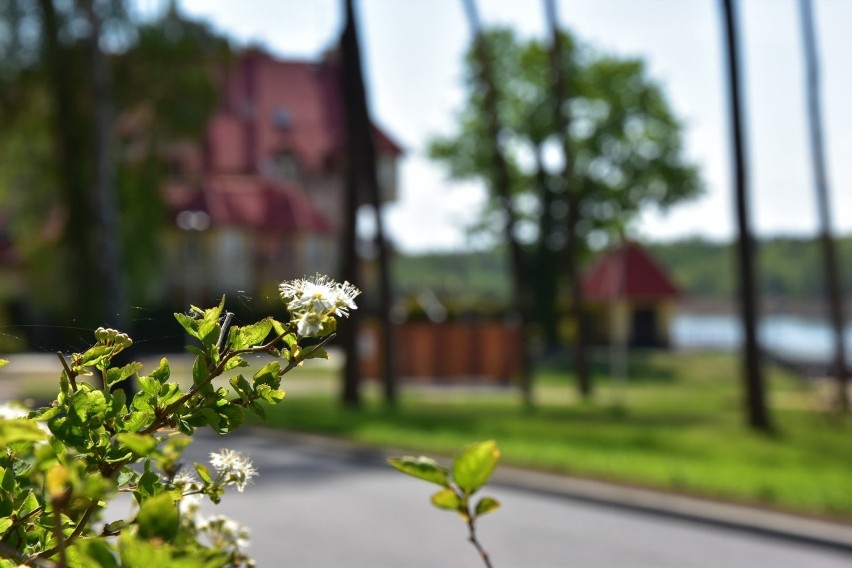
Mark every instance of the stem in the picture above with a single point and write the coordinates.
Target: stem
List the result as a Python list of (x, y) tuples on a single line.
[(62, 544), (473, 540), (72, 376), (60, 538)]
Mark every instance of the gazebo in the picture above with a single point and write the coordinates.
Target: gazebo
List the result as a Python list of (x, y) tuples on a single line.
[(629, 298)]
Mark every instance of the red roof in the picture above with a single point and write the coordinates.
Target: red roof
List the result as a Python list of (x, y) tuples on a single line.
[(627, 272), (272, 106), (251, 202)]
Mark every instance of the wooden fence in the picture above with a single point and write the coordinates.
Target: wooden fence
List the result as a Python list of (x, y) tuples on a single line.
[(447, 352)]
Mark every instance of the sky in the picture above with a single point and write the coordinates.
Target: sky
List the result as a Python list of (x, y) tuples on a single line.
[(413, 51)]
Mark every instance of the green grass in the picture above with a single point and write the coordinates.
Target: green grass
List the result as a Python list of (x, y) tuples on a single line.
[(677, 425)]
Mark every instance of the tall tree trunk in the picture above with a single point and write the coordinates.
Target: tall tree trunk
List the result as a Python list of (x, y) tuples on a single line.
[(362, 166), (68, 131), (562, 120), (758, 414), (501, 185), (545, 262), (832, 274), (109, 238)]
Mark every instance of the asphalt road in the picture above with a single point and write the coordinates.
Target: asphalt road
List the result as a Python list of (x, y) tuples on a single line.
[(315, 507)]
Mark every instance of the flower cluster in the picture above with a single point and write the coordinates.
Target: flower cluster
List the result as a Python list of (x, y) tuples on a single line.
[(218, 531), (233, 467), (312, 301)]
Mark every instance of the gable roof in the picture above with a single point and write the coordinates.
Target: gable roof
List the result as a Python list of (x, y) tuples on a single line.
[(250, 202), (627, 272), (270, 106)]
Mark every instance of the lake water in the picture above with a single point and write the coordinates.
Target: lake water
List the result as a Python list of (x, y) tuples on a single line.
[(796, 336)]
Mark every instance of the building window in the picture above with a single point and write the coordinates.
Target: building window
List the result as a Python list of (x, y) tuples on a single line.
[(282, 118), (286, 166)]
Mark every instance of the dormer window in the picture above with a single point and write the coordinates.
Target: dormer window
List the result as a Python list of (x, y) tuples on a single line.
[(282, 118), (286, 166)]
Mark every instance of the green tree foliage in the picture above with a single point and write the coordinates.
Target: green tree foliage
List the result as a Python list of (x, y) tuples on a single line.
[(162, 73), (625, 140)]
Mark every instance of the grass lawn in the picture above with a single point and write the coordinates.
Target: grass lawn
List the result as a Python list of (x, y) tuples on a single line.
[(676, 425)]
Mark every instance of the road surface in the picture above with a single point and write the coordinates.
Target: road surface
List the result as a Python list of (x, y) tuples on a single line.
[(311, 507)]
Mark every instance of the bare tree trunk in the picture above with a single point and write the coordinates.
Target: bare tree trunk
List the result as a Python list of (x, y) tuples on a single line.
[(545, 262), (502, 187), (68, 131), (832, 274), (758, 414), (562, 118), (109, 239), (363, 176)]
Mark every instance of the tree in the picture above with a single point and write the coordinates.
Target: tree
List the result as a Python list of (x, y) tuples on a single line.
[(623, 141), (485, 59), (560, 78), (362, 180), (64, 140), (757, 412), (830, 269)]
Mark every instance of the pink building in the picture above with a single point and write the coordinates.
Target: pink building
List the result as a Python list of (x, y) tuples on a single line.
[(260, 198)]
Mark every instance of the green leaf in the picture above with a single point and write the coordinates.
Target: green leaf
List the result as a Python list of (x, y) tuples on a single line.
[(188, 323), (486, 505), (5, 523), (269, 374), (474, 465), (208, 332), (116, 375), (235, 362), (141, 418), (161, 373), (314, 353), (149, 386), (269, 394), (447, 499), (203, 473), (19, 430), (241, 386), (140, 444), (125, 476), (149, 483), (91, 552), (199, 371), (158, 518), (422, 468), (257, 409), (251, 335), (93, 356)]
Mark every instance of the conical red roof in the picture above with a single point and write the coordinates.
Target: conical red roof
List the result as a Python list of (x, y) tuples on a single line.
[(627, 272)]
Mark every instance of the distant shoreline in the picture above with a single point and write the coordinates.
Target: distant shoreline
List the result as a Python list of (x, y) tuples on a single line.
[(769, 306)]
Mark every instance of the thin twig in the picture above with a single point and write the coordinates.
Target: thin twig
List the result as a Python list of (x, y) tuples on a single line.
[(71, 374), (473, 540), (78, 530)]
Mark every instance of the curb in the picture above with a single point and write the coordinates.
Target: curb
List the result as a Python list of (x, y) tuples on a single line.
[(786, 526)]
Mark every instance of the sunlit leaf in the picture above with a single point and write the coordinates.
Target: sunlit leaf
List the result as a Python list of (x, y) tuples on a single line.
[(422, 468), (486, 505), (474, 465)]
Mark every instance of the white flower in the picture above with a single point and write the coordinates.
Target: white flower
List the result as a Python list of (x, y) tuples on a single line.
[(190, 506), (11, 411), (346, 294), (309, 324), (224, 532), (318, 294), (233, 467), (186, 482)]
